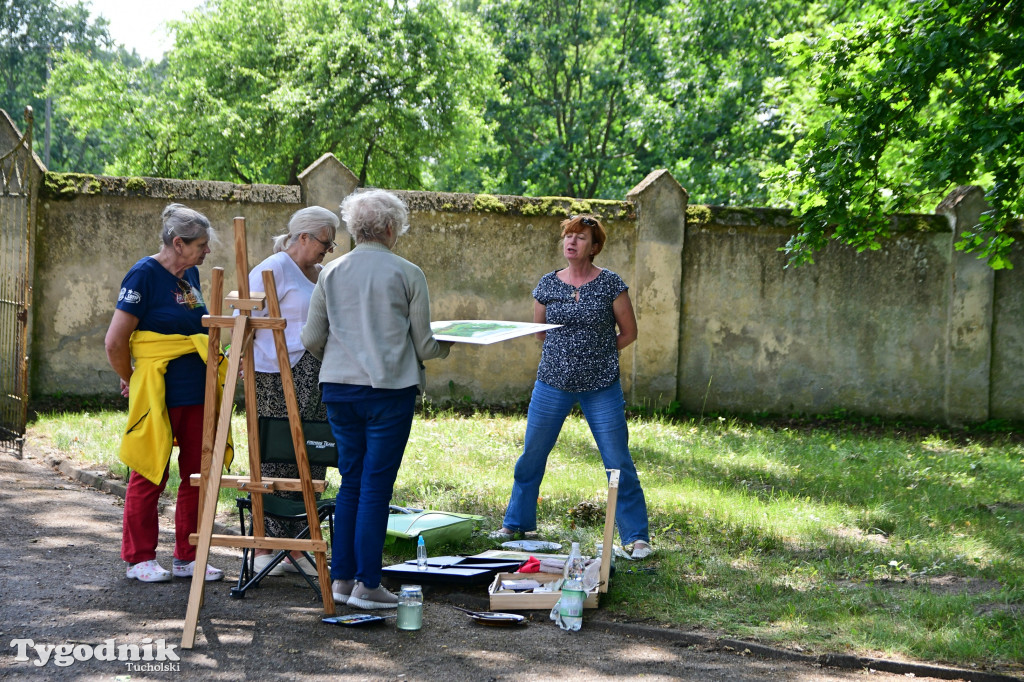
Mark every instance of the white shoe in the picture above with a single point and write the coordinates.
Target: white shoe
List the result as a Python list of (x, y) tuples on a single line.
[(292, 565), (641, 550), (263, 560), (186, 571), (149, 572)]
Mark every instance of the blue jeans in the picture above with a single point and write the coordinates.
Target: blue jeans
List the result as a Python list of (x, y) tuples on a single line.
[(371, 437), (605, 413)]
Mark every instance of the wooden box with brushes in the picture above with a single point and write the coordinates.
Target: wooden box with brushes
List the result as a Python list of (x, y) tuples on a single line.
[(504, 599)]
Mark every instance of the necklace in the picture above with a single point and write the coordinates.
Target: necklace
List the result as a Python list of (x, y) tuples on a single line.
[(576, 287)]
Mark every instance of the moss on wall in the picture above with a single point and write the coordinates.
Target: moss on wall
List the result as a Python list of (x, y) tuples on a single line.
[(66, 186), (489, 203), (561, 207), (136, 185), (920, 223), (698, 213)]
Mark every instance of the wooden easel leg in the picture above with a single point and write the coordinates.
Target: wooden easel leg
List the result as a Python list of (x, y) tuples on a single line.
[(243, 330), (211, 492), (301, 456), (324, 574)]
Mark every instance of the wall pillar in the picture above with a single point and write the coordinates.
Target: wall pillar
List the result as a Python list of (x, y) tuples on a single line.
[(969, 317), (325, 183), (657, 287)]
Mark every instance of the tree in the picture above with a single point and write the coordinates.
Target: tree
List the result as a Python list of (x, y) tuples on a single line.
[(718, 120), (597, 94), (575, 78), (32, 32), (912, 103), (256, 90)]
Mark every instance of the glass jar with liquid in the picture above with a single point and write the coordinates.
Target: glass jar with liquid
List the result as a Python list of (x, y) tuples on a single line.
[(410, 607)]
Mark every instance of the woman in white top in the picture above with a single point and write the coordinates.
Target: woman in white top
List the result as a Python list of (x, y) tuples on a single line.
[(296, 264)]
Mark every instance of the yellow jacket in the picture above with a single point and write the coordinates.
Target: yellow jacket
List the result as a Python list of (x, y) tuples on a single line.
[(147, 442)]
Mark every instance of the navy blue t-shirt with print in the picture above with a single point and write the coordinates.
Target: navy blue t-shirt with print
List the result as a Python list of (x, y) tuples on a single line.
[(169, 305), (581, 354)]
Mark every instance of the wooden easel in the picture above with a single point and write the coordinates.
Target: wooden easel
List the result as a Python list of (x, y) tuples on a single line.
[(216, 428)]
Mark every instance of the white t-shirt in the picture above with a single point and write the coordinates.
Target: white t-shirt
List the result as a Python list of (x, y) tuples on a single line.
[(293, 292)]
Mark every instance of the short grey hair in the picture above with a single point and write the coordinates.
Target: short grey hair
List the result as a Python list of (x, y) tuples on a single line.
[(310, 220), (369, 214), (181, 221)]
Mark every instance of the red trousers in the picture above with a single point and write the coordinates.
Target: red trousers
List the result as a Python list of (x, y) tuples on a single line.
[(141, 515)]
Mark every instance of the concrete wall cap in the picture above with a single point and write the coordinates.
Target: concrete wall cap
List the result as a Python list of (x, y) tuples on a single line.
[(328, 161), (651, 179), (958, 196)]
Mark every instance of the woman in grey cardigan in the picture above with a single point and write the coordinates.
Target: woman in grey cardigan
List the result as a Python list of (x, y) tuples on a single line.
[(369, 322)]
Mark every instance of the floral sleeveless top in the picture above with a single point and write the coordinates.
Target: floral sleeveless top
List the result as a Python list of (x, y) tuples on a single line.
[(580, 355)]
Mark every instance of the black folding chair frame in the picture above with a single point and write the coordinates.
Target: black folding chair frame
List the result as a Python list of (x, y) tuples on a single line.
[(276, 446)]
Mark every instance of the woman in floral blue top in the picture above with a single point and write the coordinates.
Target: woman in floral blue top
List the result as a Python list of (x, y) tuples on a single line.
[(580, 364)]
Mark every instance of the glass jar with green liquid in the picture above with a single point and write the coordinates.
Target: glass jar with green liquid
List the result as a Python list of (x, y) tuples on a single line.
[(410, 607)]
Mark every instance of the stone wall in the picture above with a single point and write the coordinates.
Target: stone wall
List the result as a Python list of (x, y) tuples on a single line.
[(915, 329), (861, 332), (90, 234)]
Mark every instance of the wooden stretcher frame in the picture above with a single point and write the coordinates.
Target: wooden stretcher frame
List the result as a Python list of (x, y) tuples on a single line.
[(217, 424)]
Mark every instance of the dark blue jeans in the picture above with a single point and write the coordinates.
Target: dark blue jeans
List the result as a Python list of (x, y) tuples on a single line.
[(371, 436), (606, 416)]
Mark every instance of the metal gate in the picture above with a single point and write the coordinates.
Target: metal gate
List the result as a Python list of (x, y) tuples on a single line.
[(16, 202)]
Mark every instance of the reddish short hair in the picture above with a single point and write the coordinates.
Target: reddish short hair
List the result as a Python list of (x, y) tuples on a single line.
[(579, 223)]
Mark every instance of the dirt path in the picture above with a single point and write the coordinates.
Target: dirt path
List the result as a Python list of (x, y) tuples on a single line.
[(62, 583)]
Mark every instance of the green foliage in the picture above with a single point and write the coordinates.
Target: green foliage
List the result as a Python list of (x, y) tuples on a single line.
[(574, 78), (32, 33), (910, 103), (845, 112), (255, 91)]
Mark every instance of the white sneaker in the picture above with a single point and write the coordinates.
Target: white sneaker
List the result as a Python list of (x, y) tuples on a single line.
[(263, 560), (149, 572), (186, 571)]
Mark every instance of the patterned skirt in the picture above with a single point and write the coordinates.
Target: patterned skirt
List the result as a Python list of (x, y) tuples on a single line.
[(270, 403)]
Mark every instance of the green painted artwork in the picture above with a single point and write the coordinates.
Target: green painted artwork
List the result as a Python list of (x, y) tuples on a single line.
[(484, 331)]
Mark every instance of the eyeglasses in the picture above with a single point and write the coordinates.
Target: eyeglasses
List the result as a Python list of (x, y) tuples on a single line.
[(585, 220), (327, 245)]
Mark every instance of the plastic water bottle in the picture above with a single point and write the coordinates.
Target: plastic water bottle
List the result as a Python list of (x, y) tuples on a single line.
[(570, 605), (574, 566), (421, 554)]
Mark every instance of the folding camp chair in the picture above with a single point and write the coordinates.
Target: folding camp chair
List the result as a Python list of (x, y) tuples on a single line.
[(276, 446)]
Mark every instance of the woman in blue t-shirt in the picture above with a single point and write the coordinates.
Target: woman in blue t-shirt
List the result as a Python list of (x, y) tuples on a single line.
[(161, 294), (580, 364)]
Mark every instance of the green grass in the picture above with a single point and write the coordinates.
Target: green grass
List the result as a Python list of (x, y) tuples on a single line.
[(838, 538)]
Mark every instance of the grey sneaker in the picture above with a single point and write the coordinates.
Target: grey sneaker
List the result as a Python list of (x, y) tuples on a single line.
[(341, 590), (363, 597)]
